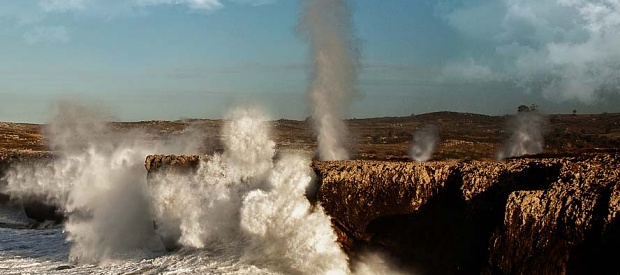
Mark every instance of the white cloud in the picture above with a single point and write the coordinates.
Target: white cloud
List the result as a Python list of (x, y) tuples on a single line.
[(193, 4), (50, 34), (566, 49), (255, 2), (202, 4), (124, 5)]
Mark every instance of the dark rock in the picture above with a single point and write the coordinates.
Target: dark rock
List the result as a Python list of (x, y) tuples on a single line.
[(64, 267), (171, 163), (41, 212)]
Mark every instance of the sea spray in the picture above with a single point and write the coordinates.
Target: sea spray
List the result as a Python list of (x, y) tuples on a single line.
[(374, 263), (195, 210), (424, 142), (526, 135), (334, 51), (97, 180), (285, 230), (244, 203), (248, 146), (242, 209)]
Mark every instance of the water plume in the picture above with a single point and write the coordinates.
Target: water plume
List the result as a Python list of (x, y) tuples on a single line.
[(195, 210), (245, 203), (97, 180), (285, 229), (334, 52), (526, 135), (241, 206), (424, 142)]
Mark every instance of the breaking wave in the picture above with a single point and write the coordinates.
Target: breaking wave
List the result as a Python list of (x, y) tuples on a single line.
[(243, 211)]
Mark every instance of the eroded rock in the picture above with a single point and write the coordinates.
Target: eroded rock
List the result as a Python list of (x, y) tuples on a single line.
[(524, 216), (541, 215), (565, 227)]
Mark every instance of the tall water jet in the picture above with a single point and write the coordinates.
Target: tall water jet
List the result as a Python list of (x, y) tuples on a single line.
[(334, 52)]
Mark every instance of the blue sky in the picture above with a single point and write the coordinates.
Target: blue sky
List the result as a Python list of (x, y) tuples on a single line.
[(171, 59)]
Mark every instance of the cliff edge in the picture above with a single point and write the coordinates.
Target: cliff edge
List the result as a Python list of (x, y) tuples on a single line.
[(537, 215), (34, 208)]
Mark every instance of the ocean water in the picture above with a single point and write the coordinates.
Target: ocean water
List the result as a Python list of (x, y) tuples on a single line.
[(45, 251)]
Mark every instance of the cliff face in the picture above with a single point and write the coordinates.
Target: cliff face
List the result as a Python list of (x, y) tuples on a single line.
[(33, 207), (520, 216), (568, 227)]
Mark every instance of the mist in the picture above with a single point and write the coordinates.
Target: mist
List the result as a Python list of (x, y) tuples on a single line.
[(244, 202), (424, 142), (333, 49), (527, 135), (97, 180)]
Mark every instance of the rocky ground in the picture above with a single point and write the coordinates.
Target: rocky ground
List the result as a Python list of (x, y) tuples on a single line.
[(462, 136)]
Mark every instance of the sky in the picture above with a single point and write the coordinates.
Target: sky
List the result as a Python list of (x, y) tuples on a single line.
[(174, 59)]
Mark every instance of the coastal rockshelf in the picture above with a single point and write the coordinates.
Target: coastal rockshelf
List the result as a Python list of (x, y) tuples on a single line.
[(543, 215), (532, 215)]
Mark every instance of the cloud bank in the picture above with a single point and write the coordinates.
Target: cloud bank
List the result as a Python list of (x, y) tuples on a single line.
[(565, 49)]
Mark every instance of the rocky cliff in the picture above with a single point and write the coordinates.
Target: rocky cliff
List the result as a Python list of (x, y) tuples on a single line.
[(34, 207), (537, 215), (519, 216)]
